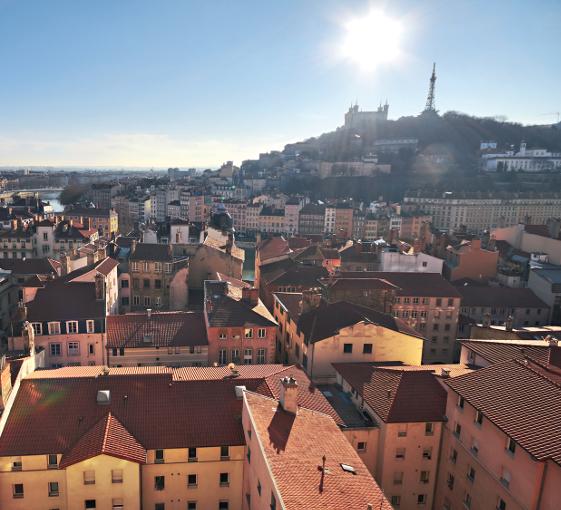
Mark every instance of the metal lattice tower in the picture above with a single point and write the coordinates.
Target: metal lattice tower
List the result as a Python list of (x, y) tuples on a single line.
[(429, 107)]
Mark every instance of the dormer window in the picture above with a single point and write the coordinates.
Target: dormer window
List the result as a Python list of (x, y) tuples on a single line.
[(72, 327), (37, 328), (90, 326), (54, 328)]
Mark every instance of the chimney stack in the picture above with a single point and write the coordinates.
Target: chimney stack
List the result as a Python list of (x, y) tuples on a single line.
[(311, 299), (289, 394), (250, 295), (509, 322), (487, 320), (149, 312), (99, 287)]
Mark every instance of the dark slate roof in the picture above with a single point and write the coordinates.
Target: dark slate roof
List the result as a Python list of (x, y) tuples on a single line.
[(155, 252), (299, 274), (327, 319), (30, 266), (505, 297), (395, 395), (161, 329), (63, 300)]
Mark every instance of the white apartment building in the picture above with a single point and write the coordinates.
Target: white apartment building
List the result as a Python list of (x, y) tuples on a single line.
[(330, 219), (480, 212), (525, 160)]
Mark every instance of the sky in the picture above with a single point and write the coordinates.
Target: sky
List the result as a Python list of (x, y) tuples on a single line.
[(160, 83)]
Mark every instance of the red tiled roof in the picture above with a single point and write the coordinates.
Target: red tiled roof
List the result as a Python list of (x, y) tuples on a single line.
[(157, 406), (294, 446), (497, 351), (162, 329), (521, 398), (358, 283), (395, 395), (273, 247), (327, 319), (107, 437)]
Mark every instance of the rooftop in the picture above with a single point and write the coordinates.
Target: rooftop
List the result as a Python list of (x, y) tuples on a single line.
[(505, 297), (154, 252), (294, 446), (497, 351), (397, 395)]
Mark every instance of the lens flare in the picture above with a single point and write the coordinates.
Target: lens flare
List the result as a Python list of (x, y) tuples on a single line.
[(372, 40)]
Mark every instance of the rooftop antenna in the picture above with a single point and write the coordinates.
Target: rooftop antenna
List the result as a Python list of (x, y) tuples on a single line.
[(429, 107)]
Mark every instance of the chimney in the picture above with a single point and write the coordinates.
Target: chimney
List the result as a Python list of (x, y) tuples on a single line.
[(508, 323), (311, 299), (230, 243), (99, 287), (487, 320), (149, 312), (65, 264), (289, 394), (554, 354), (250, 295), (133, 246)]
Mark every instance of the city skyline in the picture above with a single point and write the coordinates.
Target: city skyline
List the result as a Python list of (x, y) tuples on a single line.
[(186, 85)]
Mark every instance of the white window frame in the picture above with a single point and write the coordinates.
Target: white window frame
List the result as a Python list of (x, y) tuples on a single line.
[(261, 357), (147, 301), (261, 333), (77, 353), (90, 326), (248, 332), (248, 355), (37, 328), (51, 345), (53, 328), (68, 332), (222, 356)]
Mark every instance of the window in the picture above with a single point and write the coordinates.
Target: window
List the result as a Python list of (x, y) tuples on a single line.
[(191, 505), (73, 348), (147, 300), (450, 301), (125, 301), (510, 446), (224, 480), (37, 328), (421, 499), (361, 446), (157, 267), (52, 461), (261, 356), (505, 477), (223, 505), (222, 336), (124, 284), (192, 455), (247, 356), (117, 504), (453, 455), (258, 487), (90, 326), (157, 284), (402, 430), (248, 333), (429, 429), (17, 490), (224, 452), (427, 453), (53, 489), (55, 349), (72, 327), (461, 402), (367, 349), (395, 500), (248, 455), (347, 348), (467, 500), (235, 355), (273, 502), (475, 447), (54, 328), (222, 356), (136, 301), (501, 504), (91, 349), (116, 476), (159, 457), (192, 480), (471, 474), (438, 301), (398, 477), (89, 503), (89, 477), (450, 481), (261, 333), (400, 453), (159, 483), (160, 506), (168, 268)]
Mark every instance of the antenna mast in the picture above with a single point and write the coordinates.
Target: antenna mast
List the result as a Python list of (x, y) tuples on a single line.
[(429, 107)]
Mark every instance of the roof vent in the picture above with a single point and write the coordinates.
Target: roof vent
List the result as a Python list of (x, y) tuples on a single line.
[(103, 397), (239, 391), (445, 372)]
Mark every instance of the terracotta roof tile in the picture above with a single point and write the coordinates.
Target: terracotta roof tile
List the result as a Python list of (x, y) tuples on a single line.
[(397, 395), (294, 445), (497, 351), (161, 329), (520, 397), (107, 437)]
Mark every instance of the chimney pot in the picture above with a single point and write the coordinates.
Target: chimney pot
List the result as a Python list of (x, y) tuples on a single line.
[(149, 312), (289, 394)]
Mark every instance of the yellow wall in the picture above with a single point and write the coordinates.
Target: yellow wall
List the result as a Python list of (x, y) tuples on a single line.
[(208, 467)]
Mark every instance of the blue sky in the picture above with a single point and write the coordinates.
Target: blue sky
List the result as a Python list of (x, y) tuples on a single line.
[(191, 83)]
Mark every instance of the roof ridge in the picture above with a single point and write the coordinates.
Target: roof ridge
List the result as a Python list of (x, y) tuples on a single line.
[(106, 431), (524, 363), (393, 396)]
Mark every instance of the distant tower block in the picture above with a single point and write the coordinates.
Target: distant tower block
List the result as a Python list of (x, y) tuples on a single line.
[(429, 107)]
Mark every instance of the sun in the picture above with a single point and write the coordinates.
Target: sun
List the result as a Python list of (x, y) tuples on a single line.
[(372, 40)]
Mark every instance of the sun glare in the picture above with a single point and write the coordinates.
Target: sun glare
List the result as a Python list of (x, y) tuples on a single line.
[(372, 40)]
